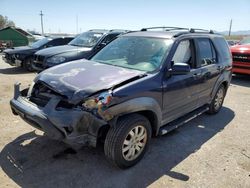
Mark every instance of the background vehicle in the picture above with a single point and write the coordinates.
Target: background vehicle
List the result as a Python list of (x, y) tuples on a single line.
[(22, 56), (232, 42), (241, 57), (140, 85), (84, 45)]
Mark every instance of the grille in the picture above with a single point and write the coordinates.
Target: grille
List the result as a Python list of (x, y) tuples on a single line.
[(41, 94), (39, 59), (7, 56), (241, 57)]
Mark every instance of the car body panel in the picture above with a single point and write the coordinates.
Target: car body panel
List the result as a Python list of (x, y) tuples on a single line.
[(78, 79), (61, 49)]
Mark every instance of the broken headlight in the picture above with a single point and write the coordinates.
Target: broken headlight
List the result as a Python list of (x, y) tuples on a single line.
[(99, 102)]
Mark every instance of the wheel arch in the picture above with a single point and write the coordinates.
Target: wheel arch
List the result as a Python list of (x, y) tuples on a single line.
[(221, 81), (146, 106)]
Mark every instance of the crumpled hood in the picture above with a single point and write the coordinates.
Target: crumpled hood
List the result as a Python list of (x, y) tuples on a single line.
[(60, 50), (20, 49), (241, 48), (79, 79)]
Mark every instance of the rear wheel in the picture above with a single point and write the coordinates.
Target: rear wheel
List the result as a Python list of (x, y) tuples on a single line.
[(126, 143), (28, 64), (217, 101)]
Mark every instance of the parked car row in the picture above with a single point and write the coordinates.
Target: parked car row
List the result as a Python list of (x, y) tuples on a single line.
[(23, 56), (142, 84), (49, 51)]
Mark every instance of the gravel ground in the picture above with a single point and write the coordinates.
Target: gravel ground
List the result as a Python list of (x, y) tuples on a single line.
[(210, 151)]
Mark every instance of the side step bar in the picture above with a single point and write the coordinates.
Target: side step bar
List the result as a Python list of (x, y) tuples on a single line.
[(182, 120)]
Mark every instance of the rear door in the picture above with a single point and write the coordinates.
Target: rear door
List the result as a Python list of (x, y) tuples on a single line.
[(207, 62)]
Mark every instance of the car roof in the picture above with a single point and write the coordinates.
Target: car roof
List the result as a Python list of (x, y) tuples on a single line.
[(58, 37), (104, 31)]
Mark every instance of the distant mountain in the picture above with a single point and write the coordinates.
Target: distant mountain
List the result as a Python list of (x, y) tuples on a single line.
[(246, 32)]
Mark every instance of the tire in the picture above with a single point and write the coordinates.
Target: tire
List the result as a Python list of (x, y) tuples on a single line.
[(217, 101), (119, 139), (28, 64)]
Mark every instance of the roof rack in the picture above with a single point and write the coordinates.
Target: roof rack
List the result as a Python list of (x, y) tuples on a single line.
[(119, 30), (164, 28), (188, 30), (193, 30)]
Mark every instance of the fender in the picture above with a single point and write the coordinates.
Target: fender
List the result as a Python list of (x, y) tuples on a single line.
[(220, 80), (137, 105)]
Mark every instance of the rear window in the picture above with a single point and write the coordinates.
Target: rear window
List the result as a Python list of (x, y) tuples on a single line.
[(222, 46)]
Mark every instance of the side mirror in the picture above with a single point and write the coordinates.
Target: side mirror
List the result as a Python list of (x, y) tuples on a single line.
[(180, 69), (101, 45)]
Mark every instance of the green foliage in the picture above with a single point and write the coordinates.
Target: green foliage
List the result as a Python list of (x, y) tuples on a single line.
[(5, 22), (234, 37)]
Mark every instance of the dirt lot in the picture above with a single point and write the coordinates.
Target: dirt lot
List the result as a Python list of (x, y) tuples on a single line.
[(210, 151)]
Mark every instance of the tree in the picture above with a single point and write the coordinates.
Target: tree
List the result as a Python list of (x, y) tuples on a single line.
[(5, 22)]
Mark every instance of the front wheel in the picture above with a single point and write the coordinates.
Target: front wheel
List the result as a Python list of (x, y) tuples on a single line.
[(127, 141), (28, 64), (217, 101)]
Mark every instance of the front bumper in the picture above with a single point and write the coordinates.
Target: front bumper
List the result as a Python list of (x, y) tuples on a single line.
[(241, 67), (9, 61), (13, 62), (73, 126), (37, 66)]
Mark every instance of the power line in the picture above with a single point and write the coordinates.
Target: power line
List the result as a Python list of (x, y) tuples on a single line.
[(41, 14)]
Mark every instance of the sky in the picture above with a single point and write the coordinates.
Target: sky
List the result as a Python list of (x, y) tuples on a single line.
[(79, 15)]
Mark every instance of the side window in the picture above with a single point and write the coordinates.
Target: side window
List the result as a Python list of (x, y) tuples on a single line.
[(67, 40), (109, 38), (183, 53), (221, 44), (54, 42), (206, 51)]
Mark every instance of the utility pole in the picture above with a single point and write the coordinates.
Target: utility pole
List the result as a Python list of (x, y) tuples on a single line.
[(77, 24), (230, 27), (41, 14)]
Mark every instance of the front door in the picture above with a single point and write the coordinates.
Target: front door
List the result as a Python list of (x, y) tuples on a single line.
[(180, 92)]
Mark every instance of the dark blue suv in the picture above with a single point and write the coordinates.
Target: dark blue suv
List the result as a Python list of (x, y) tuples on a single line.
[(143, 84)]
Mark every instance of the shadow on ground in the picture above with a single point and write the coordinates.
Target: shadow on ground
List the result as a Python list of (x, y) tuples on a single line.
[(14, 70), (36, 161), (241, 79)]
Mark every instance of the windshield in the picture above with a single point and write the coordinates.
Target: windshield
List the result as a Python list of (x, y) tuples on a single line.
[(245, 41), (139, 53), (87, 39), (40, 43)]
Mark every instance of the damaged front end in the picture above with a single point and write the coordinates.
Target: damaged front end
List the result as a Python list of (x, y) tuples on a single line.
[(51, 112)]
